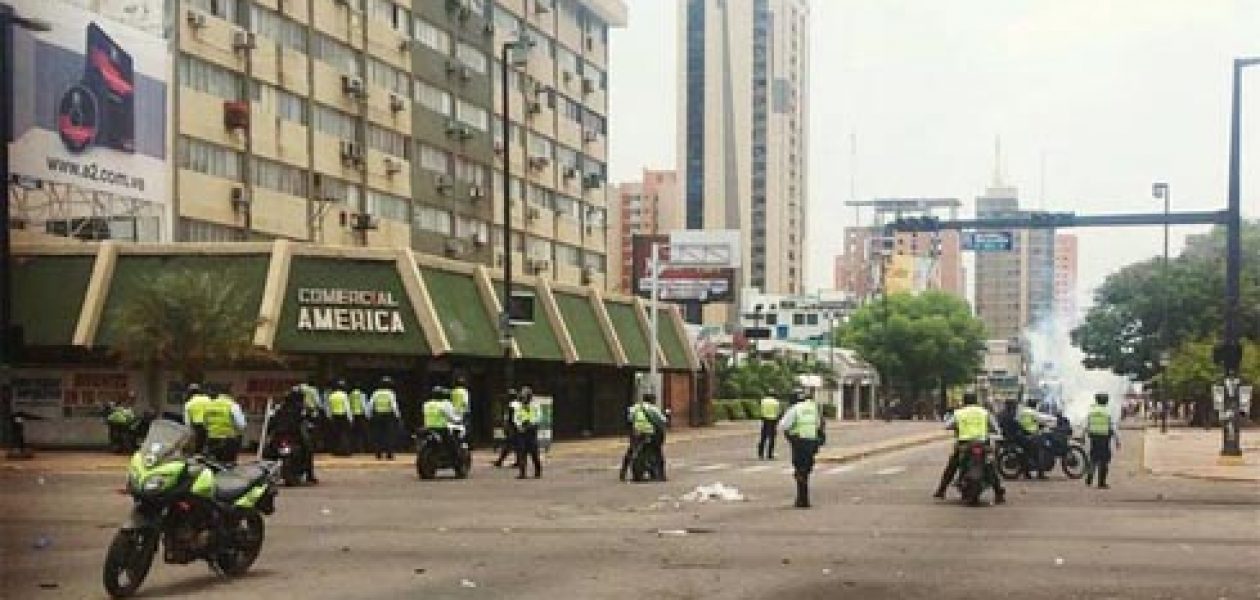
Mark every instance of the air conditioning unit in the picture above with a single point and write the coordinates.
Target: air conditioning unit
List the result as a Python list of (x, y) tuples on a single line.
[(479, 239), (442, 183), (244, 40), (396, 103), (590, 229), (363, 222), (567, 76), (588, 275), (451, 67), (351, 152), (540, 8), (465, 73), (591, 181), (353, 86), (498, 147), (533, 214), (570, 172), (453, 127), (540, 264), (393, 166), (539, 162), (589, 136), (533, 107), (454, 247), (590, 43), (488, 29), (476, 192), (588, 85), (240, 199), (465, 132), (235, 114), (405, 45), (195, 19)]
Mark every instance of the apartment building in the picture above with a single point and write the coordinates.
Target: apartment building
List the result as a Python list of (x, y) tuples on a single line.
[(1014, 289), (1065, 258), (378, 123), (649, 206)]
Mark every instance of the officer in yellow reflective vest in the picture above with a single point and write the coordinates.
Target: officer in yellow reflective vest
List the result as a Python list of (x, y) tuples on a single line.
[(970, 423), (770, 413), (803, 426), (313, 406), (647, 426), (383, 407), (195, 416), (120, 419), (225, 422), (1030, 420), (1100, 424), (526, 418), (438, 414), (460, 399), (339, 419), (358, 420)]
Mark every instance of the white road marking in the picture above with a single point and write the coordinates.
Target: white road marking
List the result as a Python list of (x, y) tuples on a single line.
[(890, 470), (840, 469), (757, 468), (788, 471), (707, 468)]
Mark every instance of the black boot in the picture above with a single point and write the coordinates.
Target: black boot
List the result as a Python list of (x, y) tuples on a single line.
[(802, 492), (1102, 477)]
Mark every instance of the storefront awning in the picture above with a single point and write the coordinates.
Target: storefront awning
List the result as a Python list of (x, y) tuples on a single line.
[(584, 328), (462, 312), (48, 294), (537, 340), (671, 336), (630, 332)]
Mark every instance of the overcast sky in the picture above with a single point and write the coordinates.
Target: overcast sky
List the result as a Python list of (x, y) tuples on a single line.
[(1108, 95)]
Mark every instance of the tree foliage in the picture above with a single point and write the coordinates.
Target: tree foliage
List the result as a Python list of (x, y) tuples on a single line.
[(760, 378), (1122, 331), (918, 342), (184, 321)]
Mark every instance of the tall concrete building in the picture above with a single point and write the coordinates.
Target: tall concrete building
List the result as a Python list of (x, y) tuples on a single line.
[(1065, 276), (743, 123), (649, 206), (375, 123), (915, 261), (1013, 289)]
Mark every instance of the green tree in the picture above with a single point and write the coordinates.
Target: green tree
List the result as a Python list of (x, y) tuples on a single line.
[(918, 343), (184, 322)]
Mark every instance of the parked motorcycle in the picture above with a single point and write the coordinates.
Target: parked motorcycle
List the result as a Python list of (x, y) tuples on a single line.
[(433, 453), (292, 457), (645, 460), (971, 465), (196, 509), (1055, 446)]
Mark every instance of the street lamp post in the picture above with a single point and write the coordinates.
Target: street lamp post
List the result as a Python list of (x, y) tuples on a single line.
[(520, 47), (1161, 191), (1229, 353), (8, 19)]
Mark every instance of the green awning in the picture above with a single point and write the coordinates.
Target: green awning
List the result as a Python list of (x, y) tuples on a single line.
[(462, 313), (48, 294), (345, 306), (634, 340), (248, 272), (674, 347), (537, 340), (584, 329)]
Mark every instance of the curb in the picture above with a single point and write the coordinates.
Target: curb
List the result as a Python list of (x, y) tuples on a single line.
[(876, 450)]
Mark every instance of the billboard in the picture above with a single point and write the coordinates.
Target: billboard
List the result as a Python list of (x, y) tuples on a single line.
[(89, 103), (681, 283)]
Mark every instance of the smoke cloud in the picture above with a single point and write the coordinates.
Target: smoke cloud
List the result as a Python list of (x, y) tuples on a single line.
[(1056, 366)]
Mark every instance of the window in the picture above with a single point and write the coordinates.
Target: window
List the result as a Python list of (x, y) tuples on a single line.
[(595, 75), (429, 35), (543, 45), (567, 207), (472, 115), (397, 17), (539, 196), (387, 141), (433, 98), (505, 22), (596, 217), (285, 105), (539, 146), (201, 231), (595, 262), (279, 177), (468, 227), (336, 123), (388, 77), (202, 157), (208, 78), (592, 122), (568, 256), (339, 191), (798, 319), (570, 110), (275, 26), (567, 62), (432, 219), (772, 319), (337, 54), (471, 57), (469, 172), (566, 157), (433, 159), (224, 9), (387, 206), (538, 248)]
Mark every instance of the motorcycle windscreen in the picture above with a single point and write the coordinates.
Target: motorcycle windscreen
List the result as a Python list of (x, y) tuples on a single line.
[(166, 440)]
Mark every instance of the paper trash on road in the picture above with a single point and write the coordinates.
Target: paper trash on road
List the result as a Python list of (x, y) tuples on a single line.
[(714, 493), (468, 583)]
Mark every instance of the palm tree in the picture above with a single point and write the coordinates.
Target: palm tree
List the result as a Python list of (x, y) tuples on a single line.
[(182, 321)]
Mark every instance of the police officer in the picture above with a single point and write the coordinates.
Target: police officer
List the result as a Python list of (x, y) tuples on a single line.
[(385, 417), (1029, 420), (803, 426), (971, 423), (511, 437), (461, 401), (770, 413), (290, 419), (224, 424), (120, 419), (315, 414), (438, 414), (526, 418), (647, 426), (339, 413), (194, 416), (358, 420), (1102, 430)]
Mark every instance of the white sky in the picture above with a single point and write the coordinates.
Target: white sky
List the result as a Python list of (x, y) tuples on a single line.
[(1113, 94)]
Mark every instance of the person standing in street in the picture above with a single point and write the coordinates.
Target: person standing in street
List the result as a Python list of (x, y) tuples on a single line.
[(120, 418), (1103, 431), (526, 418), (647, 426), (316, 415), (770, 413), (970, 423), (339, 419), (803, 426), (358, 420), (511, 437), (195, 416), (290, 419), (225, 422), (1030, 420), (385, 418), (461, 401)]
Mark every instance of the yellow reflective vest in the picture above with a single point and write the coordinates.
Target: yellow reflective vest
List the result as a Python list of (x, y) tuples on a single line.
[(972, 423)]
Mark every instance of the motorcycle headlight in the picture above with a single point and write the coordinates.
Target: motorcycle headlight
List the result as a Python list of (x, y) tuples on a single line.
[(154, 484)]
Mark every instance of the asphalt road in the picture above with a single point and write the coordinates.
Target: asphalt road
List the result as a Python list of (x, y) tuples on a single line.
[(578, 533)]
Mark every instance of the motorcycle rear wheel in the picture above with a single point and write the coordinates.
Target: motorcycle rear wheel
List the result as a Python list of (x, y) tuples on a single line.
[(1010, 463), (244, 545), (1075, 462), (128, 561), (424, 464)]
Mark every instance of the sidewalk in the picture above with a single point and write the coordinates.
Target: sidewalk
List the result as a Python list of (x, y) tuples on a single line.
[(1194, 453)]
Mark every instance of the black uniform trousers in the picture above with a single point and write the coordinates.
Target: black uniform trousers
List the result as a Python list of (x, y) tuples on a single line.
[(1099, 458), (765, 445), (339, 428), (383, 435), (527, 448)]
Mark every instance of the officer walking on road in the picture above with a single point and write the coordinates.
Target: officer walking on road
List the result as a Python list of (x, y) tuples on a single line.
[(803, 426), (225, 422), (526, 418), (341, 419), (511, 437), (195, 416), (1103, 430), (385, 418), (769, 418)]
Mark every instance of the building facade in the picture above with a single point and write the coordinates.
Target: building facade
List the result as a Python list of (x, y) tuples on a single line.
[(1065, 303), (1014, 289), (906, 261), (743, 122), (646, 207), (796, 318), (377, 123)]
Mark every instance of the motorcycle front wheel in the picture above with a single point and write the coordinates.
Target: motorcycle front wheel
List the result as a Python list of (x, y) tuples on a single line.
[(128, 561), (1075, 462), (424, 464), (1010, 463), (243, 545)]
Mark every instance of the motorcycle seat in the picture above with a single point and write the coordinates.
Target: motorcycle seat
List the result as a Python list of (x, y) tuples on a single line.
[(237, 481)]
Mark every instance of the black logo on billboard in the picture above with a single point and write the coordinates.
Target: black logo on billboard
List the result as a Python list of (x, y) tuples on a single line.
[(100, 109), (77, 118)]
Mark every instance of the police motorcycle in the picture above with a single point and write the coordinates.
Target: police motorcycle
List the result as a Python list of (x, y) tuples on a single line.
[(195, 509), (645, 458), (433, 453), (1056, 446), (971, 481)]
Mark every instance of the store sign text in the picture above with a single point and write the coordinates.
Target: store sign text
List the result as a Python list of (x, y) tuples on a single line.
[(354, 311)]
